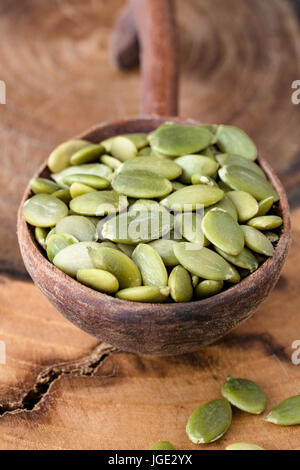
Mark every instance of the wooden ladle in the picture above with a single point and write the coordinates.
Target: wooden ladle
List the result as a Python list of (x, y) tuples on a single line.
[(153, 328)]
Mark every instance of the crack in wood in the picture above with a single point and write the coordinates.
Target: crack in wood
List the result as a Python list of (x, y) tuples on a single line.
[(86, 367)]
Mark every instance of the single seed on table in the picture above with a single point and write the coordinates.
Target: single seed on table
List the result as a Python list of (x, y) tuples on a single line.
[(40, 234), (245, 204), (58, 242), (133, 228), (118, 264), (96, 169), (228, 159), (176, 140), (44, 210), (141, 184), (242, 179), (244, 394), (205, 263), (198, 178), (245, 259), (180, 284), (265, 222), (110, 161), (207, 288), (227, 205), (257, 241), (98, 203), (96, 182), (192, 164), (87, 154), (286, 413), (74, 257), (265, 205), (151, 266), (231, 139), (189, 226), (163, 445), (165, 248), (164, 168), (243, 446), (63, 194), (98, 279), (123, 148), (43, 186), (209, 422), (80, 227), (223, 231), (144, 294), (78, 189), (195, 196), (60, 158)]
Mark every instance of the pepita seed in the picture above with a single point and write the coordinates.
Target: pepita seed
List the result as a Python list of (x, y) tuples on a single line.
[(225, 159), (58, 242), (189, 226), (98, 279), (227, 205), (123, 148), (266, 222), (151, 266), (44, 210), (75, 257), (60, 158), (87, 154), (162, 167), (286, 413), (43, 186), (265, 205), (198, 178), (165, 248), (192, 164), (245, 259), (98, 203), (257, 241), (180, 283), (111, 162), (233, 140), (80, 227), (96, 182), (40, 234), (223, 231), (245, 204), (244, 394), (150, 294), (207, 288), (141, 184), (209, 422), (63, 194), (96, 169), (78, 189), (196, 196)]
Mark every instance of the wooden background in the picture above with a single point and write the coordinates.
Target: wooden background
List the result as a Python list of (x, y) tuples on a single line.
[(60, 388)]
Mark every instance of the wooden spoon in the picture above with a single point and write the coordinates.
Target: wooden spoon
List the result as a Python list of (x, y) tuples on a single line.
[(153, 328)]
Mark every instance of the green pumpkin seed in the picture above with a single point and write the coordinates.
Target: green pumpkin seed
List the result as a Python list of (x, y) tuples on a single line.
[(96, 169), (141, 184), (163, 445), (123, 148), (195, 280), (205, 263), (233, 140), (227, 205), (43, 186), (58, 242), (127, 249), (180, 283), (286, 413), (177, 140), (242, 179), (80, 227), (265, 222), (144, 205), (264, 206), (117, 263), (44, 210), (107, 143), (75, 257), (189, 226), (207, 288), (98, 203), (139, 139), (244, 394), (245, 204), (87, 154), (192, 164), (209, 422), (177, 185), (131, 228), (96, 182), (63, 194), (50, 233), (150, 294), (198, 178), (245, 259), (162, 167), (60, 158), (78, 189), (257, 241), (195, 196), (225, 159), (40, 234), (243, 446), (145, 152), (151, 266), (98, 279), (272, 236), (165, 248), (210, 151), (110, 161), (223, 231)]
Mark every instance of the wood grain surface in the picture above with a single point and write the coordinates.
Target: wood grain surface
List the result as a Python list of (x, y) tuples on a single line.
[(59, 388)]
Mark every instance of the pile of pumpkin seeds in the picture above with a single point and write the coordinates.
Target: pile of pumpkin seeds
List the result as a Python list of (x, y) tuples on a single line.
[(179, 214), (210, 421)]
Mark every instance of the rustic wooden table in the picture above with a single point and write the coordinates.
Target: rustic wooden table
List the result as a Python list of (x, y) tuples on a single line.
[(60, 388)]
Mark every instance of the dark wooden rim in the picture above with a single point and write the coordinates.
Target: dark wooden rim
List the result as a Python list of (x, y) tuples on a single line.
[(249, 285)]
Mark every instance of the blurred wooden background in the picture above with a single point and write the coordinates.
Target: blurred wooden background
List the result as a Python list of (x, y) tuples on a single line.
[(59, 387)]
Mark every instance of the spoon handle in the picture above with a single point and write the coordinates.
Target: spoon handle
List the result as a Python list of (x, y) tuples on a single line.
[(156, 29)]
